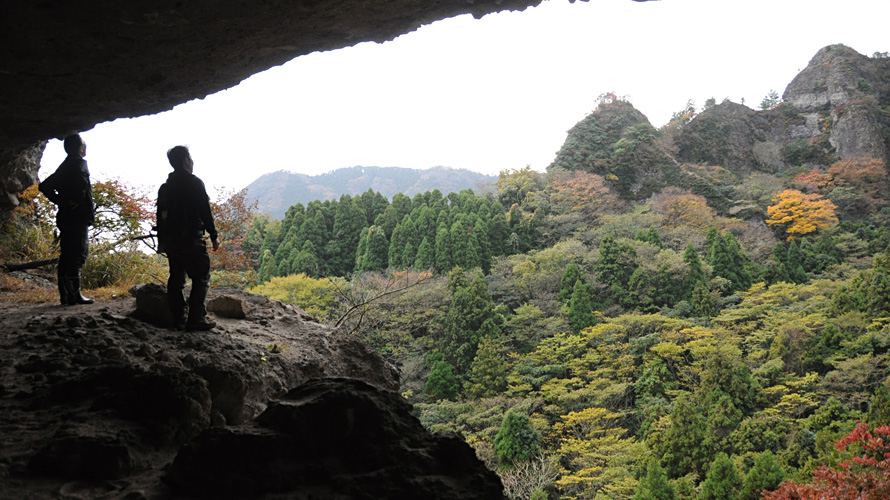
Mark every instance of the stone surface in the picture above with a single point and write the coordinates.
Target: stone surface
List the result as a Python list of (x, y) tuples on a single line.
[(97, 404), (228, 306), (332, 438)]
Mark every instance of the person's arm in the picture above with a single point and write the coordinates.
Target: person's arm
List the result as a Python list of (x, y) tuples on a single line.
[(87, 186), (48, 188), (206, 216)]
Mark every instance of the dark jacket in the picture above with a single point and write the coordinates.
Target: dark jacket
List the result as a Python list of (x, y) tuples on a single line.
[(183, 212), (69, 188)]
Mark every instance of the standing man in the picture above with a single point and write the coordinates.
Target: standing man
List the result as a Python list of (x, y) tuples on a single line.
[(183, 216), (69, 189)]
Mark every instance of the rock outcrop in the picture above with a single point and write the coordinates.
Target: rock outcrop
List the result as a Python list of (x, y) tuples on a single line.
[(836, 108), (98, 404)]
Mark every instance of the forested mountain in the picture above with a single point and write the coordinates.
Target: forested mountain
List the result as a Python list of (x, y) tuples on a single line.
[(693, 312), (277, 191)]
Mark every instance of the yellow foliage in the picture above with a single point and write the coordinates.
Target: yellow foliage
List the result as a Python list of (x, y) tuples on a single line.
[(668, 350), (801, 213), (599, 458), (315, 296)]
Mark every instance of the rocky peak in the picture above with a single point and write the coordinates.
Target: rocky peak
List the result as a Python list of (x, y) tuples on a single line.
[(835, 76), (834, 109), (845, 91)]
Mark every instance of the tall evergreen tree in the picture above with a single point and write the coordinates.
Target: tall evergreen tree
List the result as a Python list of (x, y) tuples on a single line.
[(306, 261), (470, 318), (615, 267), (765, 474), (722, 481), (426, 256), (283, 258), (516, 441), (722, 419), (397, 248), (425, 222), (444, 261), (313, 229), (480, 232), (581, 313), (650, 236), (488, 373), (727, 260), (267, 265), (498, 231), (442, 382), (293, 218), (409, 255), (349, 220), (361, 249), (794, 264), (372, 204), (394, 213), (680, 448), (520, 235), (567, 283), (654, 485), (696, 273), (879, 407), (376, 251), (777, 267), (701, 301), (465, 248)]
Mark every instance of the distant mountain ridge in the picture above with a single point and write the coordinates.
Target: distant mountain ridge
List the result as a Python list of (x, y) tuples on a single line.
[(276, 191)]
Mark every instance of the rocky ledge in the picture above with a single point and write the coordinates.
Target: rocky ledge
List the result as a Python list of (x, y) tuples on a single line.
[(96, 403)]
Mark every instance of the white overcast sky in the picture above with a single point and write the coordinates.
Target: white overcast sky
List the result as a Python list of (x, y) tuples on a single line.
[(484, 94)]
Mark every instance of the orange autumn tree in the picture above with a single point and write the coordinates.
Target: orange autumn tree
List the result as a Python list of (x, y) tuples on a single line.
[(682, 208), (584, 192), (232, 265), (801, 213), (813, 181), (867, 177)]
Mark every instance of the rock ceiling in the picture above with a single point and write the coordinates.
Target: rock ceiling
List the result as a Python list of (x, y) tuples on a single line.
[(66, 66), (69, 65)]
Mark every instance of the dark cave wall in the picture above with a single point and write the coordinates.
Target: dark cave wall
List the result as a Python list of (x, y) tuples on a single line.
[(67, 66)]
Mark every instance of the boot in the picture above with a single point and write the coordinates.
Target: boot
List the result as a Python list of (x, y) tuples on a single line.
[(201, 325), (74, 296), (63, 288)]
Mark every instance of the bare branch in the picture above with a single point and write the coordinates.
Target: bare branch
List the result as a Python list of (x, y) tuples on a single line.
[(18, 266), (387, 290)]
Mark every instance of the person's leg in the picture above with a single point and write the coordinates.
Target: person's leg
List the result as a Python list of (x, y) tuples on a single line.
[(198, 269), (65, 253), (63, 285), (175, 284), (80, 250)]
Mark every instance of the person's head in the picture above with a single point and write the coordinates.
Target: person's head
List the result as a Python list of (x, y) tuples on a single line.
[(180, 158), (74, 145)]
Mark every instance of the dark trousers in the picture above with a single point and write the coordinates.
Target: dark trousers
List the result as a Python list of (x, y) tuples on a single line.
[(193, 261), (74, 249)]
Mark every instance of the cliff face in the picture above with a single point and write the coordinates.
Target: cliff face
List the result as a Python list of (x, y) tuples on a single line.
[(99, 404), (838, 107)]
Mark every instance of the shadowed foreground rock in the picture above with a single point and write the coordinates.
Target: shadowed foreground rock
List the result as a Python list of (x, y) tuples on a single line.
[(95, 404), (333, 438)]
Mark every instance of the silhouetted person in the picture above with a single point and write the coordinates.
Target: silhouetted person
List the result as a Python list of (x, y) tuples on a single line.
[(69, 188), (183, 216)]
